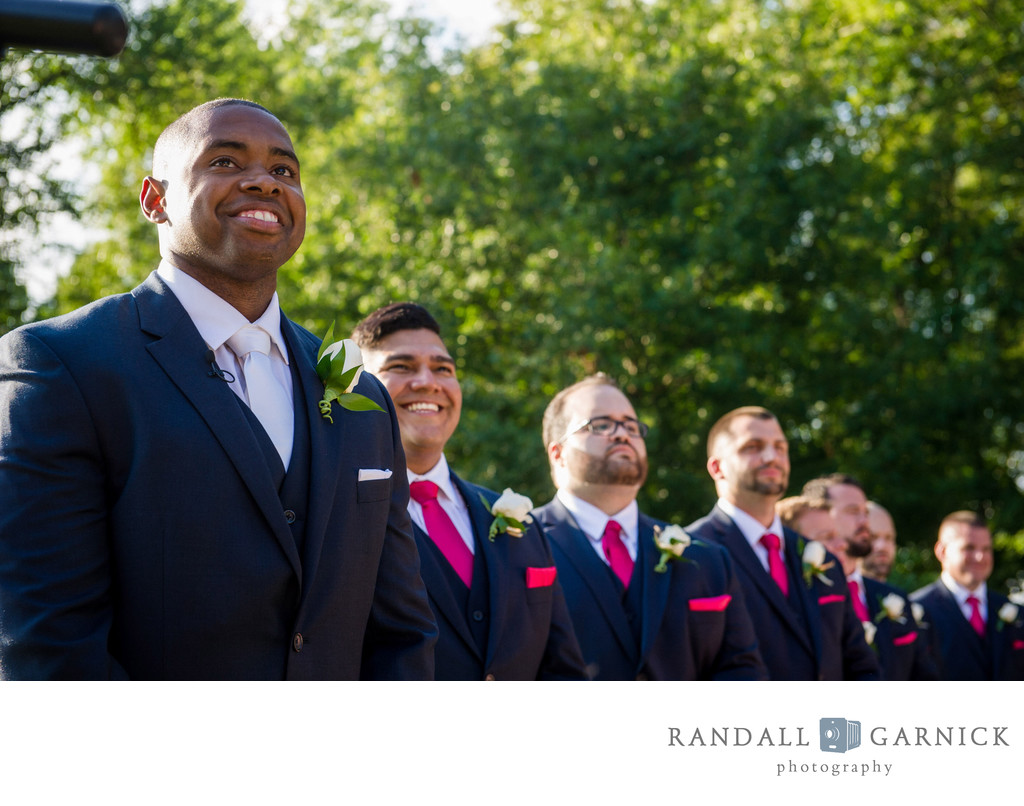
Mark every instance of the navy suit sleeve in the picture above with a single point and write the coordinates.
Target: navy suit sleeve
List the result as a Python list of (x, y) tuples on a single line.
[(55, 575), (859, 659), (401, 633)]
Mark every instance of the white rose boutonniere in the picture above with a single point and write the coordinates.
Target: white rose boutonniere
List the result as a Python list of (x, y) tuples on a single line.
[(917, 611), (339, 365), (869, 632), (511, 514), (671, 541), (813, 558), (892, 607), (1008, 614)]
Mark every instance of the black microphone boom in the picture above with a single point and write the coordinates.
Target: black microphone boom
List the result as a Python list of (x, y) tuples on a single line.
[(93, 29)]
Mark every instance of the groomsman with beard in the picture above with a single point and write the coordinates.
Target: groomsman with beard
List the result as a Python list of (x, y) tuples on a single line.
[(802, 614), (494, 592), (884, 611), (878, 564), (646, 602), (976, 633)]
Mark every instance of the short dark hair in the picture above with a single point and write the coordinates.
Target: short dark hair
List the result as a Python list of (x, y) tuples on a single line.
[(817, 489), (972, 519), (725, 421), (184, 129), (555, 420), (390, 319)]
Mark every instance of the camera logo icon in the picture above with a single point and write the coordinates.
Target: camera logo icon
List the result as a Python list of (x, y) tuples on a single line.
[(839, 735)]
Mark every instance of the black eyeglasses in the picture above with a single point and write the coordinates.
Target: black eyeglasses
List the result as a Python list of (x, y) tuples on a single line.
[(609, 426)]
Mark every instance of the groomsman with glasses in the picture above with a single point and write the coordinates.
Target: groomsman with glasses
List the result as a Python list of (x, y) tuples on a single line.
[(646, 601)]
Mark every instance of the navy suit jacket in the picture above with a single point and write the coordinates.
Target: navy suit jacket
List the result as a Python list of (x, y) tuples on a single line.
[(141, 531), (902, 647), (529, 633), (818, 636), (694, 625), (960, 653)]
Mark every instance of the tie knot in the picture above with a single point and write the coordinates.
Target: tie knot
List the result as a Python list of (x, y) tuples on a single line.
[(423, 491), (770, 541), (612, 529), (250, 339)]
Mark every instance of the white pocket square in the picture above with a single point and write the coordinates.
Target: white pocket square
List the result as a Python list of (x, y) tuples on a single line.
[(370, 474)]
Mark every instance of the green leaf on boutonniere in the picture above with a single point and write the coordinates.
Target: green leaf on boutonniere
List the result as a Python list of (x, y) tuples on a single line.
[(339, 365)]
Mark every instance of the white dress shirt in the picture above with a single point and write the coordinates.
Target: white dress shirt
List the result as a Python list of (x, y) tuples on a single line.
[(593, 522), (753, 530), (448, 497), (960, 593), (217, 321)]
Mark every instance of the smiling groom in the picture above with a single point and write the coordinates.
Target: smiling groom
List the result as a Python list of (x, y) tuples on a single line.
[(172, 503), (493, 587)]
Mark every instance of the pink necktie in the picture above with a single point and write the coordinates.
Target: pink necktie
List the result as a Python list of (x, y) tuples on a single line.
[(977, 622), (775, 565), (442, 531), (858, 605), (615, 550)]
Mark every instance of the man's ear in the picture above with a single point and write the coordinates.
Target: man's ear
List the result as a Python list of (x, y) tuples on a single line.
[(940, 551), (715, 468), (555, 454), (152, 200)]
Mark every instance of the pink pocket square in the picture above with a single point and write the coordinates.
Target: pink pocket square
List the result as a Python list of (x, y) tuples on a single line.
[(831, 598), (540, 577), (1018, 644), (903, 640), (711, 603)]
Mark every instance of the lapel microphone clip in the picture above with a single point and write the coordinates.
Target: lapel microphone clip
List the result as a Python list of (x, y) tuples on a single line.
[(217, 372)]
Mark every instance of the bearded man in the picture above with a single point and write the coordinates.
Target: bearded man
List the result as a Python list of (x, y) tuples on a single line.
[(646, 602)]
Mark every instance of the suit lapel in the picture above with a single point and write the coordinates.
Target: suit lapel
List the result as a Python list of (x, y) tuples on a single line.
[(730, 536), (563, 531), (435, 578), (496, 560), (180, 351), (655, 586), (805, 595), (967, 638)]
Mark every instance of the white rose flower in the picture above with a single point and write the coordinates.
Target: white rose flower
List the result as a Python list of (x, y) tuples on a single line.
[(672, 538), (514, 506), (893, 605), (869, 631), (918, 610), (1017, 597), (1008, 612), (814, 554), (353, 358)]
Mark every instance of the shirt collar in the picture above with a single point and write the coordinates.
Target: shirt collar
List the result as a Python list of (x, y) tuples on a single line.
[(214, 317), (753, 530), (440, 474), (593, 520), (960, 593)]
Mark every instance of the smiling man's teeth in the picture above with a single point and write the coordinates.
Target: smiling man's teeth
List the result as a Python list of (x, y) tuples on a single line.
[(259, 215), (423, 407)]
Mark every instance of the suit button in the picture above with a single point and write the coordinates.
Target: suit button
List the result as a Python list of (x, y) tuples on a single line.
[(478, 615), (297, 642), (289, 516)]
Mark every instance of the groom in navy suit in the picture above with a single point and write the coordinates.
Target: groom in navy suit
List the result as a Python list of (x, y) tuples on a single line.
[(639, 612), (498, 603), (805, 623), (173, 505)]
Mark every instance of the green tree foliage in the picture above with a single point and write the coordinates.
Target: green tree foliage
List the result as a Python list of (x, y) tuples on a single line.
[(28, 194), (814, 207)]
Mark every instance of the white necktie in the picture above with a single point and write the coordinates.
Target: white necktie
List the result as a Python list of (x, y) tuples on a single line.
[(267, 398)]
